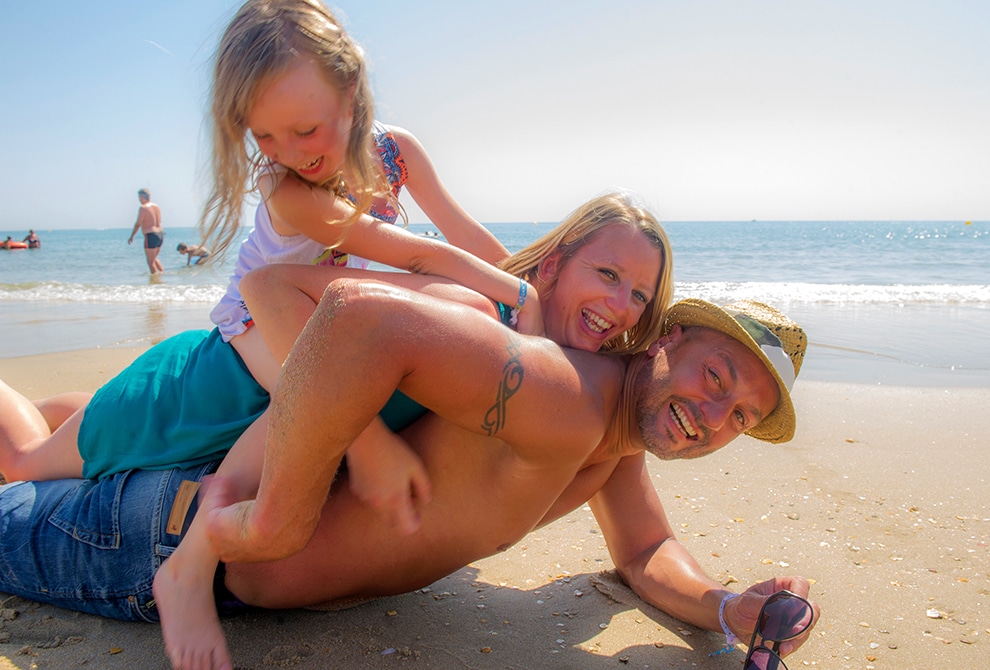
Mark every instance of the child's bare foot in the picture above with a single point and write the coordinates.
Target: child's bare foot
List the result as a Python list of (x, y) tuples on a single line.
[(194, 639), (183, 589)]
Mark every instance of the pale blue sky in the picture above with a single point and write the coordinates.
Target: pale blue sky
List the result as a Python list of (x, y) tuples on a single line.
[(708, 109)]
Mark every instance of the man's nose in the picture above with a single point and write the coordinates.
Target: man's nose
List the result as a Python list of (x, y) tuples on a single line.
[(716, 412)]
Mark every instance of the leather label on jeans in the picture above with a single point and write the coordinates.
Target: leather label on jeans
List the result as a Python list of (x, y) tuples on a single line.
[(180, 506)]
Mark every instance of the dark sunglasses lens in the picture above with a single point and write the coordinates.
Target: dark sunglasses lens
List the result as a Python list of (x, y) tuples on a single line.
[(784, 617), (762, 658)]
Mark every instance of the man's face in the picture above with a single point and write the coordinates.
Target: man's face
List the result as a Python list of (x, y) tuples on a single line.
[(699, 393)]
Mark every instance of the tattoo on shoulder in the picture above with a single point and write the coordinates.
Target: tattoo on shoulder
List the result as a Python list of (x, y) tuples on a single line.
[(512, 376)]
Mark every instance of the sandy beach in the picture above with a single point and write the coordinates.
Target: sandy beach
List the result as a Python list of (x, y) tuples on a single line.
[(880, 500)]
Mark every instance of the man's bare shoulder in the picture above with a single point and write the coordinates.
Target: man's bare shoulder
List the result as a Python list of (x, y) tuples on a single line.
[(577, 395)]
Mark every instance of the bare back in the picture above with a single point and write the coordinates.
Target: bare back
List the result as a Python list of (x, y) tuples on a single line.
[(150, 218)]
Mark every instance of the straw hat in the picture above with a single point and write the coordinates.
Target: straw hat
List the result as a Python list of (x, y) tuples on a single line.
[(779, 342)]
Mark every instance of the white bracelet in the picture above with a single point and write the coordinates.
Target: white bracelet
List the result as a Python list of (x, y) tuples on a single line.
[(730, 637)]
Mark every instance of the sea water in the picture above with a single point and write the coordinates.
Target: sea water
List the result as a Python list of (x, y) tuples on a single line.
[(883, 302)]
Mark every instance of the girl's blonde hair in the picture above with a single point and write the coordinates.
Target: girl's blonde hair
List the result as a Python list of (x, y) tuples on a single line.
[(576, 231), (263, 39)]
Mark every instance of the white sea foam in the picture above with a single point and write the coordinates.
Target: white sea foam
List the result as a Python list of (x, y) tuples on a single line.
[(835, 294), (717, 292), (96, 293)]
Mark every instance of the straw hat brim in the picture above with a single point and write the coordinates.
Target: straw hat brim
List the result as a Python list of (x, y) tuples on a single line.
[(779, 425)]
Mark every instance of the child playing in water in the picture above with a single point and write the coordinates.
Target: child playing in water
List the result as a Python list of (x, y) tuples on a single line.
[(191, 251)]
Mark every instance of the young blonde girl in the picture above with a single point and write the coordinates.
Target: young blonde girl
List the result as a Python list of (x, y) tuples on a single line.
[(290, 78)]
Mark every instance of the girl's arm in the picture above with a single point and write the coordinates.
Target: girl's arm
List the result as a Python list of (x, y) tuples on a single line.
[(311, 210), (428, 191)]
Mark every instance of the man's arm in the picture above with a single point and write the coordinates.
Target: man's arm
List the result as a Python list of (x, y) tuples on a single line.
[(137, 224), (660, 569)]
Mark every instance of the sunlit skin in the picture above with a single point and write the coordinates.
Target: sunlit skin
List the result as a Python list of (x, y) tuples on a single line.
[(303, 122), (723, 390), (608, 284)]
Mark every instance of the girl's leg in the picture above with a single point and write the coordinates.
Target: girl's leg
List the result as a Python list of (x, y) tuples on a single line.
[(57, 409), (251, 347), (183, 585), (28, 448)]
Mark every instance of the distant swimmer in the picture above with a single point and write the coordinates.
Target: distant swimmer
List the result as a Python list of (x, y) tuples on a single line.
[(149, 221), (32, 240), (200, 253)]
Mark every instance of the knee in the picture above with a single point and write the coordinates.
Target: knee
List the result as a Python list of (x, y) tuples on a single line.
[(15, 466), (255, 283), (356, 300)]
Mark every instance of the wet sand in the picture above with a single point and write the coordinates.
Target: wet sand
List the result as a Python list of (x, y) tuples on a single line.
[(880, 499)]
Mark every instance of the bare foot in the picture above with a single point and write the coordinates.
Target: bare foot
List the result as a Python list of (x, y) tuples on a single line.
[(183, 589)]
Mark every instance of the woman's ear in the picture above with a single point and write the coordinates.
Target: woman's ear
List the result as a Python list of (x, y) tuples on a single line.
[(548, 267)]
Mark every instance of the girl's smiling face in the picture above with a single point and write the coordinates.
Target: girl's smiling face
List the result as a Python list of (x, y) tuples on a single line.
[(301, 121), (602, 290)]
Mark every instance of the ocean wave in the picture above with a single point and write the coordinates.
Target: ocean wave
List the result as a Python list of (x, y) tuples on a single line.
[(717, 292), (780, 293), (122, 294)]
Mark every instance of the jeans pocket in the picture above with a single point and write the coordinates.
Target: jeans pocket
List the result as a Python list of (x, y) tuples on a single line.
[(90, 513)]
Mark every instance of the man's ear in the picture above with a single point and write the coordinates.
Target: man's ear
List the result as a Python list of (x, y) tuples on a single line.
[(672, 336)]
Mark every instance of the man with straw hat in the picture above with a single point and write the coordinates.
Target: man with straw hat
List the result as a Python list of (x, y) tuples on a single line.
[(571, 428)]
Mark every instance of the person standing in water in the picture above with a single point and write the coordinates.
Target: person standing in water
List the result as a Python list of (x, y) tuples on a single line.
[(149, 220)]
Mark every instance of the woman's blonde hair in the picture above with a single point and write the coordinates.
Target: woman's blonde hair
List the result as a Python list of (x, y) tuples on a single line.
[(576, 231), (261, 42)]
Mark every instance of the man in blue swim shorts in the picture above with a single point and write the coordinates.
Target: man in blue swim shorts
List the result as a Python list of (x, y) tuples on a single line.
[(149, 222)]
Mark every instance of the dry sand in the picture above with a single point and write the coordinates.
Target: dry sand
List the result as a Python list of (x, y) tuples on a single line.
[(880, 500)]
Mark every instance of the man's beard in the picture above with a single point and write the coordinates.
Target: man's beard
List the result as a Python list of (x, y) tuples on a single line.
[(653, 407)]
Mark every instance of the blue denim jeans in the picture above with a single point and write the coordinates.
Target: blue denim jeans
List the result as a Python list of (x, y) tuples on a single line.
[(92, 546)]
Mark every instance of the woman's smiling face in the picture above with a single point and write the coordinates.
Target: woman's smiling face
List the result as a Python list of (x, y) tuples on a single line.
[(602, 290)]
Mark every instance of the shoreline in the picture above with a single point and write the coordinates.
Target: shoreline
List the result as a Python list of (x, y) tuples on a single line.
[(879, 499)]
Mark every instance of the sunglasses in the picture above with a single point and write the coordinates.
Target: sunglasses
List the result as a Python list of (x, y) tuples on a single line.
[(784, 616)]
